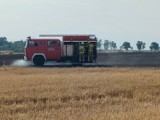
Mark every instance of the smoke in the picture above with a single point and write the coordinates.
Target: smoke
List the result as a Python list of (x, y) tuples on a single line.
[(20, 63)]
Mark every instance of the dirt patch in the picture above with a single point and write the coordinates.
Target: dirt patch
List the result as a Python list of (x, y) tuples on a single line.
[(8, 59), (110, 59), (129, 59)]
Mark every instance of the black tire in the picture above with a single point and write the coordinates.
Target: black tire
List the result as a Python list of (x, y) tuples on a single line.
[(38, 60)]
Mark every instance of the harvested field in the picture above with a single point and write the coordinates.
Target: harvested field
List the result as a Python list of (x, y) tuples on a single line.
[(80, 93)]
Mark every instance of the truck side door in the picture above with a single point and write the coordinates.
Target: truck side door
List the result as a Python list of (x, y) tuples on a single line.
[(31, 48), (54, 50)]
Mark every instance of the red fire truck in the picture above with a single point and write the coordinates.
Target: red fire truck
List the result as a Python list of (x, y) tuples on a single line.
[(61, 48)]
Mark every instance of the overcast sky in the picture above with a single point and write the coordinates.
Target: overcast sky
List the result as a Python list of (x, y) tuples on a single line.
[(115, 20)]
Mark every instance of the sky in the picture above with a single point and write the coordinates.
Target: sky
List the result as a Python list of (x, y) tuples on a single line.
[(114, 20)]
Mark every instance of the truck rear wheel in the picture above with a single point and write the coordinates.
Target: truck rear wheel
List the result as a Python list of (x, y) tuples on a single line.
[(38, 60)]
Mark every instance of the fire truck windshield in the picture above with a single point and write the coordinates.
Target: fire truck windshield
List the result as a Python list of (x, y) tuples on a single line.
[(31, 43)]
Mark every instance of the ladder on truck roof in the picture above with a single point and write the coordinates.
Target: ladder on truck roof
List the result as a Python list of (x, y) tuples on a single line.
[(62, 35), (71, 37)]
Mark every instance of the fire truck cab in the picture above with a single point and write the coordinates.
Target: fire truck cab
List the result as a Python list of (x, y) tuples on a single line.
[(65, 49)]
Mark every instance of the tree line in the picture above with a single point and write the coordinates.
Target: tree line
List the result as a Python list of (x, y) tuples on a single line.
[(126, 45), (16, 46)]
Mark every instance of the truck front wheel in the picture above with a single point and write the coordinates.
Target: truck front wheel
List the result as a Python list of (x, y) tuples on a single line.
[(38, 60)]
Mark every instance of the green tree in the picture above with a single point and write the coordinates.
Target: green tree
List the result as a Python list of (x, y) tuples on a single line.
[(3, 41), (18, 46), (140, 45), (126, 46), (99, 43), (154, 46), (106, 44), (113, 45)]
